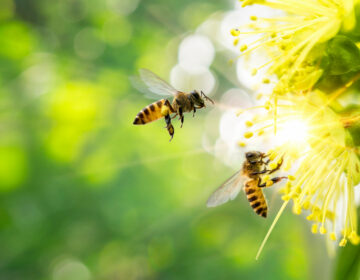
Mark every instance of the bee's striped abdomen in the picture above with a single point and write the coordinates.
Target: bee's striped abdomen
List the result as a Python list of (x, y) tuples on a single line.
[(150, 113), (256, 198)]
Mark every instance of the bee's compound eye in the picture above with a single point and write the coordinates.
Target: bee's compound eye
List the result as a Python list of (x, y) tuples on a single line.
[(249, 155), (195, 94)]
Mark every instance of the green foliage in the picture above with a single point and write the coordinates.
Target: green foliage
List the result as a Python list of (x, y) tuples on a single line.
[(348, 263), (343, 55)]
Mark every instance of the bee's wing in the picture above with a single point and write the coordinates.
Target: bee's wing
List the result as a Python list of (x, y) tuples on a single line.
[(138, 84), (156, 84), (227, 191)]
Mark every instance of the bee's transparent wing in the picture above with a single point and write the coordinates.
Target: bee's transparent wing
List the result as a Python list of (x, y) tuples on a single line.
[(156, 84), (138, 84), (227, 191)]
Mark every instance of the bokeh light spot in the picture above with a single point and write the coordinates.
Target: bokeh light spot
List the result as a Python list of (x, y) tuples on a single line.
[(13, 167), (74, 109), (88, 44), (195, 51), (16, 40), (117, 31), (71, 269), (123, 7), (186, 81)]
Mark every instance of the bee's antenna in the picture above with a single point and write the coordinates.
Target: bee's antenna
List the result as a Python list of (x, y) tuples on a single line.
[(207, 98)]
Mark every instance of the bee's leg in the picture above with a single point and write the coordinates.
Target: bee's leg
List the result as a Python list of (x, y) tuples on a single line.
[(167, 103), (173, 117), (260, 172), (269, 171), (277, 167), (181, 116), (194, 111), (169, 126), (270, 182)]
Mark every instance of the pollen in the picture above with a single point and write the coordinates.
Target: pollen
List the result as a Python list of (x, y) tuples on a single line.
[(272, 155), (266, 81), (333, 236), (235, 32), (253, 18), (354, 238), (248, 134), (254, 72), (243, 48), (266, 178), (165, 110), (241, 144), (236, 41), (249, 123), (273, 165), (291, 177), (297, 209), (269, 183), (306, 205), (314, 228), (310, 217), (267, 105), (322, 230), (343, 242)]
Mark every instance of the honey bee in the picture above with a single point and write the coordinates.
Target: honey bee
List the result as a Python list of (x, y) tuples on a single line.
[(249, 176), (182, 102)]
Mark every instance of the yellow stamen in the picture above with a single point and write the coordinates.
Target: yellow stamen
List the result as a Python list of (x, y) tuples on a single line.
[(333, 236), (343, 242), (249, 123), (235, 32), (322, 230), (242, 144), (266, 81), (269, 183), (314, 228), (271, 229), (243, 48), (248, 134), (291, 177)]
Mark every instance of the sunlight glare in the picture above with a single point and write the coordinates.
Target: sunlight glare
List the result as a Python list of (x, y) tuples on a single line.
[(293, 131)]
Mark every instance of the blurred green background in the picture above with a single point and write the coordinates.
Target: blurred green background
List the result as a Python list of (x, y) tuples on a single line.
[(87, 195)]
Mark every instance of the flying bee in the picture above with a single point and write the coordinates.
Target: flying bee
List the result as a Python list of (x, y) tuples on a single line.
[(249, 177), (182, 102)]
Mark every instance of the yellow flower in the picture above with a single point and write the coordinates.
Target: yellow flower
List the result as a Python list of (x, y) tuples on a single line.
[(293, 42), (312, 137)]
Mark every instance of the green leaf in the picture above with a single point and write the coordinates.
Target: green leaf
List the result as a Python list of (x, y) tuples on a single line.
[(348, 262), (344, 55)]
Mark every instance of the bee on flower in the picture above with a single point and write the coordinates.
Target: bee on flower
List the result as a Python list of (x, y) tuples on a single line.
[(319, 154)]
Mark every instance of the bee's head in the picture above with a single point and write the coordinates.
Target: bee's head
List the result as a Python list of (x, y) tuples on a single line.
[(254, 156), (199, 99)]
